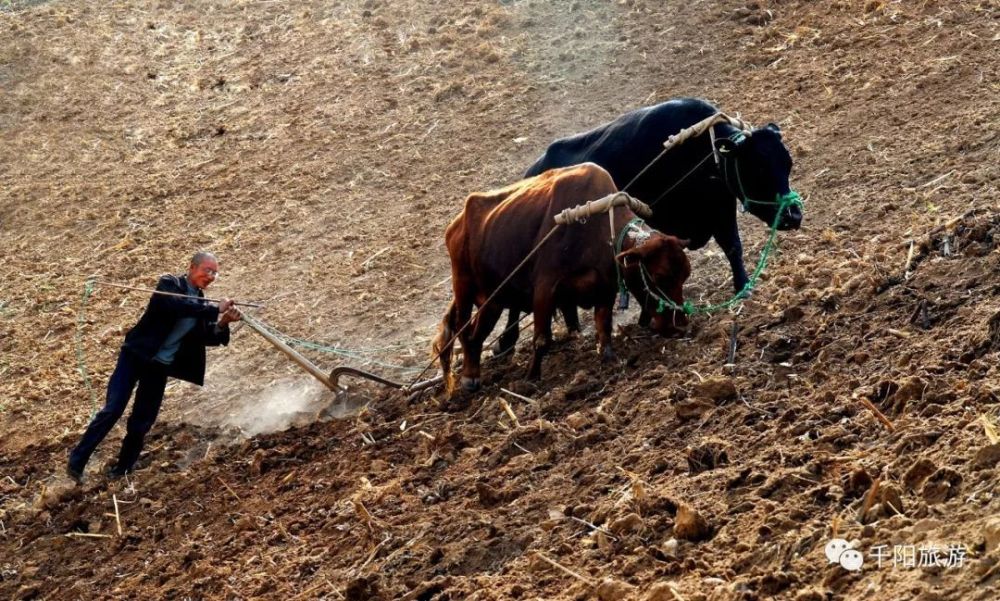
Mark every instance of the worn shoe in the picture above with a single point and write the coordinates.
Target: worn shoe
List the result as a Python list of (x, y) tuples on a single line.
[(76, 475), (113, 472)]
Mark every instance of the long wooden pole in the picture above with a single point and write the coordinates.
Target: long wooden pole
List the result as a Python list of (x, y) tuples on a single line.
[(292, 354), (164, 293)]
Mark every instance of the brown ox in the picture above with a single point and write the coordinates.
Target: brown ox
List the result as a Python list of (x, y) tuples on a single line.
[(575, 267)]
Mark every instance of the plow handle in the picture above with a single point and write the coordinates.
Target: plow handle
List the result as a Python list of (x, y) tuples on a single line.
[(292, 354)]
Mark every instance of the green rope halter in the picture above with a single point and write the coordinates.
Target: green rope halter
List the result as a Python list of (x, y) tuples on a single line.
[(619, 240), (783, 201)]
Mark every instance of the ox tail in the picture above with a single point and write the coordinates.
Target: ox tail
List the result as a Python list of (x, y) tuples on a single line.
[(444, 344)]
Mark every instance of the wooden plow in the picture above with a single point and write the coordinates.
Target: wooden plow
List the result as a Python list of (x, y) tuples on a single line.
[(332, 381)]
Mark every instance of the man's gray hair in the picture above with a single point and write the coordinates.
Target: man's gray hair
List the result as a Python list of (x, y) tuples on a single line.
[(201, 256)]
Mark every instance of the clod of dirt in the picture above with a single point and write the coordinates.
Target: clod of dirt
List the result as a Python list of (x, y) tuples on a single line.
[(28, 591), (628, 523), (577, 420), (810, 594), (987, 457), (524, 387), (991, 530), (690, 525), (773, 583), (858, 483), (257, 463), (894, 396), (918, 473), (582, 384), (362, 589), (614, 590), (891, 497), (792, 314), (941, 486), (693, 408), (718, 389), (54, 494), (984, 566), (753, 14), (488, 496), (993, 331), (661, 591), (706, 457), (912, 389)]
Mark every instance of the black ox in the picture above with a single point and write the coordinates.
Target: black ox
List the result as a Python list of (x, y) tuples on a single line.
[(691, 195)]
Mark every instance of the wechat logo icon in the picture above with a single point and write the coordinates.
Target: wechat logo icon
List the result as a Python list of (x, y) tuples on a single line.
[(839, 551)]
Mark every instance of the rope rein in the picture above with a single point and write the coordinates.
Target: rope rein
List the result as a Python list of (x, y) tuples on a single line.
[(363, 355), (81, 365)]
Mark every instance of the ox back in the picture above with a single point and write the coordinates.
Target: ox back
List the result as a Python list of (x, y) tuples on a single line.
[(498, 229)]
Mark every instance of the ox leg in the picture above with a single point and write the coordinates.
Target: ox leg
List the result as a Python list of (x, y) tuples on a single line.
[(603, 324), (472, 344), (729, 241), (572, 319), (508, 338), (543, 308), (444, 344), (645, 317)]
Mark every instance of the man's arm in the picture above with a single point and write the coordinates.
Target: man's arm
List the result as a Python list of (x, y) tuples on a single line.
[(177, 307)]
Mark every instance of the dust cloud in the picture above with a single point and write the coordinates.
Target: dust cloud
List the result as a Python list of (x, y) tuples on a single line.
[(281, 405)]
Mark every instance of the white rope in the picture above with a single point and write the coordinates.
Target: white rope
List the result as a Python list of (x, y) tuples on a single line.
[(700, 127), (580, 213)]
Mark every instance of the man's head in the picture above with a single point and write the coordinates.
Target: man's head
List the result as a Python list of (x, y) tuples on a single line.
[(203, 270)]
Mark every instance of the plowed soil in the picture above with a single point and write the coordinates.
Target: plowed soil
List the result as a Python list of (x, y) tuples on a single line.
[(320, 148)]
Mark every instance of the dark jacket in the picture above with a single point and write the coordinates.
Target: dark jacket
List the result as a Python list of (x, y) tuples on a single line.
[(146, 338)]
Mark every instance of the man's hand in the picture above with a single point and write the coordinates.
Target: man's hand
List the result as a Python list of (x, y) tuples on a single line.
[(225, 305), (231, 314)]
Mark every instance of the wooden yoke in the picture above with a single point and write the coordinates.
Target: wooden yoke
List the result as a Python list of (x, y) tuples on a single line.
[(603, 205)]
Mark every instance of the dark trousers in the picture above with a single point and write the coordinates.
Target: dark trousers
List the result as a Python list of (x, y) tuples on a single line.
[(130, 370)]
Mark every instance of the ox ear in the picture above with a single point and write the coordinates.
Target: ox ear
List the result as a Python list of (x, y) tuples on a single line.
[(630, 258), (774, 127), (731, 144), (684, 242)]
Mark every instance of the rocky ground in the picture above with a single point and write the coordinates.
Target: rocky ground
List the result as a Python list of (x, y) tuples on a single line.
[(320, 148)]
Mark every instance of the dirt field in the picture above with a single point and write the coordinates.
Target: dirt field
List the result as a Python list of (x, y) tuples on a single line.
[(320, 148)]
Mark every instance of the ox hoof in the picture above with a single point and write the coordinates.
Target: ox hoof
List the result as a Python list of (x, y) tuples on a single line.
[(607, 354), (470, 384)]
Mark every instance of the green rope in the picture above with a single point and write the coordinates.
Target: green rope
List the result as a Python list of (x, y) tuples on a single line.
[(619, 240), (88, 289), (663, 303), (362, 356)]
